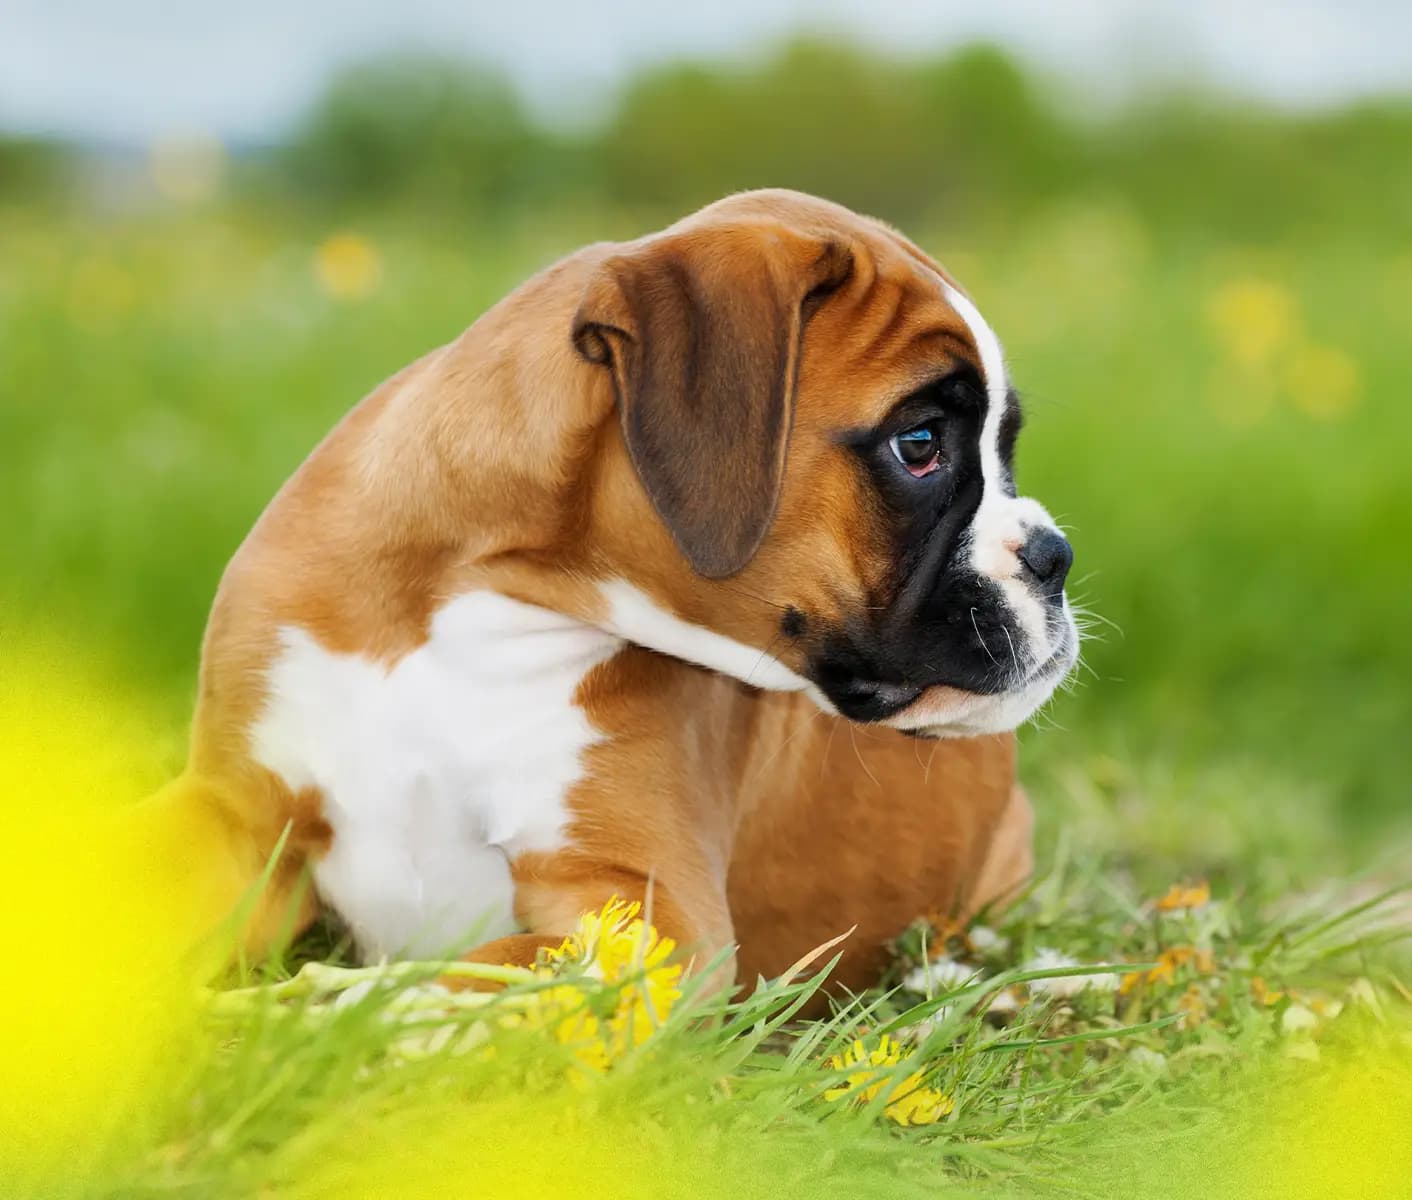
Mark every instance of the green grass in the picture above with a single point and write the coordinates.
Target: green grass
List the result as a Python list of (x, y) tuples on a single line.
[(299, 1085), (1241, 538)]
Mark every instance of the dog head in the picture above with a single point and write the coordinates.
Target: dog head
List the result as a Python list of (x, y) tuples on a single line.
[(823, 424)]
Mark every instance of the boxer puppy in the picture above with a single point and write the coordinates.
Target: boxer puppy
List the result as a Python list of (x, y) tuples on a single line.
[(643, 582)]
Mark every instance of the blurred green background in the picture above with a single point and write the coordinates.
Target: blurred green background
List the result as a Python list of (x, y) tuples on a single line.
[(1204, 298)]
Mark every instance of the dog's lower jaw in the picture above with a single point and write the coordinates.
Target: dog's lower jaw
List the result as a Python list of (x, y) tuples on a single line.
[(945, 712)]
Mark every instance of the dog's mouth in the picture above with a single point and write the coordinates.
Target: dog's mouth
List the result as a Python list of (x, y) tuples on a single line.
[(928, 678), (952, 712), (871, 700), (946, 709)]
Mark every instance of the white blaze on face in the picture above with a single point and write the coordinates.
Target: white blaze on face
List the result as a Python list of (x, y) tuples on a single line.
[(1002, 522)]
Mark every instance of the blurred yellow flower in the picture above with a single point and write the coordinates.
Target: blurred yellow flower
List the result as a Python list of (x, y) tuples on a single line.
[(1259, 326), (1192, 1006), (100, 291), (1263, 994), (1324, 382), (347, 266), (909, 1100), (187, 167), (1169, 962), (616, 946), (1181, 896), (1253, 320)]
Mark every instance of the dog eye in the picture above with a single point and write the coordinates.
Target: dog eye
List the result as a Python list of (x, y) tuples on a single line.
[(919, 448)]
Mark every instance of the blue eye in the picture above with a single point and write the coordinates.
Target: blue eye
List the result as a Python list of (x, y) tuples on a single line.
[(918, 449)]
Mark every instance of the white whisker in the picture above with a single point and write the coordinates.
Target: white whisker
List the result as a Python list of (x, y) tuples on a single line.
[(858, 754), (1014, 658), (980, 639)]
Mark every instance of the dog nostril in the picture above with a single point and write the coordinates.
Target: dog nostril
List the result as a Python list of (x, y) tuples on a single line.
[(1047, 553)]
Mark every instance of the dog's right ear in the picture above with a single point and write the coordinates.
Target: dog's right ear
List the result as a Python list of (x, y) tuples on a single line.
[(702, 333)]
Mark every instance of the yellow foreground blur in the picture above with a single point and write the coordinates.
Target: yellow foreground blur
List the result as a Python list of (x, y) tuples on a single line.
[(94, 1011)]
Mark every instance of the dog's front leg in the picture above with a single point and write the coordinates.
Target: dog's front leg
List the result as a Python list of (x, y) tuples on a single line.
[(552, 891), (649, 821)]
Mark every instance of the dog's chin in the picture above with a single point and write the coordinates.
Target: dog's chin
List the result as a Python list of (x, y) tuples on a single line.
[(948, 712)]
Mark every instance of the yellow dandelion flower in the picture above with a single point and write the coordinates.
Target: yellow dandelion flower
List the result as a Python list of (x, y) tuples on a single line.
[(1190, 956), (564, 1013), (347, 266), (612, 946), (945, 927), (909, 1101), (615, 944), (1165, 971), (1192, 1006), (1253, 320), (913, 1103), (1179, 896), (1169, 962), (1263, 994), (1324, 382)]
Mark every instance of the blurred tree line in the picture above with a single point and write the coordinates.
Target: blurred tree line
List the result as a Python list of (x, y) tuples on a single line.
[(31, 168), (967, 136)]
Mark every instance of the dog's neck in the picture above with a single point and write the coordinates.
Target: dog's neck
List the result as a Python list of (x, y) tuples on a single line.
[(517, 533)]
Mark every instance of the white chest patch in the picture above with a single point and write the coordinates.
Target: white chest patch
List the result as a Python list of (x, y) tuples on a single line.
[(437, 771)]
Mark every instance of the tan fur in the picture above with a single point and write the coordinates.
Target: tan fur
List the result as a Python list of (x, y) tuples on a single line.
[(500, 462)]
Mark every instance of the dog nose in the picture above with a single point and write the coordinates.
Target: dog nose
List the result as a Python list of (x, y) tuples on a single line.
[(1048, 555)]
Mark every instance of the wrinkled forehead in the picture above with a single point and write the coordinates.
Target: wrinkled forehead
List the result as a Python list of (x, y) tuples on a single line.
[(905, 323), (935, 283)]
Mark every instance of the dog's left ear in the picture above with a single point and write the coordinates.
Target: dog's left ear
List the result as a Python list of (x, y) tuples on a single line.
[(702, 332)]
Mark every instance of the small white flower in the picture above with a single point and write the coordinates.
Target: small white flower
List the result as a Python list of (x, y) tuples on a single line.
[(939, 975), (1362, 992), (1153, 1062), (1004, 1003), (1298, 1020), (1065, 986), (987, 941), (919, 1031), (1101, 983)]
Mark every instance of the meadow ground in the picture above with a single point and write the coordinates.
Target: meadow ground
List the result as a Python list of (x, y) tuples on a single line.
[(1223, 429)]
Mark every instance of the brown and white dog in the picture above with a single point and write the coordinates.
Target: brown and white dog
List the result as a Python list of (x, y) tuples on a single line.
[(646, 577)]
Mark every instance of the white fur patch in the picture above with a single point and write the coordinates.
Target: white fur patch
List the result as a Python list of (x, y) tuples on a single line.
[(1002, 522), (437, 770), (635, 616)]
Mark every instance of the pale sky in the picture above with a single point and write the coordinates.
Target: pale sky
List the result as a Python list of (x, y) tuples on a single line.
[(131, 70)]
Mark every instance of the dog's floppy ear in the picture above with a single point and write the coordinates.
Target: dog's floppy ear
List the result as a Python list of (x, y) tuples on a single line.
[(702, 331)]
